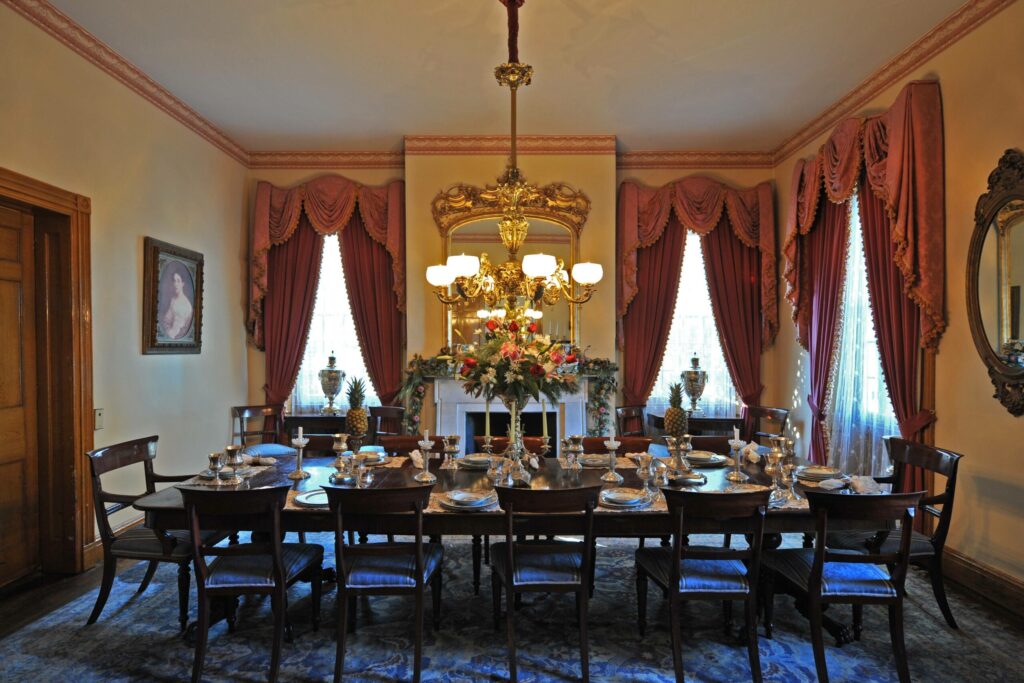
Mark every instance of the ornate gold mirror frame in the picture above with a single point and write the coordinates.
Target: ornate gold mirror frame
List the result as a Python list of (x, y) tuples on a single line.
[(557, 203)]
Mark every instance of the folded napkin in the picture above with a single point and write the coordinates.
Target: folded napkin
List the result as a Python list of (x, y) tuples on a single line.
[(257, 460), (831, 484), (750, 452), (865, 485), (534, 463), (417, 459)]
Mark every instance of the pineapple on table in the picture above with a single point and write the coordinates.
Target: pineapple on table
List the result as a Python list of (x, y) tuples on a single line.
[(676, 421), (356, 421)]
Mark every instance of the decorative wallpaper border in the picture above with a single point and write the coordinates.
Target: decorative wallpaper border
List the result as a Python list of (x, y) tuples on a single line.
[(684, 159), (366, 159), (500, 144)]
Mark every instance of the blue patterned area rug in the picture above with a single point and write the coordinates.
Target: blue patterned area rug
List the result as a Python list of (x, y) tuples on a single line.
[(136, 638)]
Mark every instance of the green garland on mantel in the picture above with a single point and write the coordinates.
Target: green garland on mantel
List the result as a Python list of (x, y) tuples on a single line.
[(423, 371)]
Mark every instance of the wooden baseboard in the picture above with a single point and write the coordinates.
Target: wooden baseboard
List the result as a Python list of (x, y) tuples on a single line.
[(92, 553), (990, 583)]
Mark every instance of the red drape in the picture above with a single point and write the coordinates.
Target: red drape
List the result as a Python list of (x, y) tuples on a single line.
[(735, 287), (293, 270), (379, 324), (645, 328), (826, 255)]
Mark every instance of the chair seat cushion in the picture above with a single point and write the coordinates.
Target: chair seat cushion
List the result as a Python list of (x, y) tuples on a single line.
[(366, 568), (142, 543), (268, 450), (838, 578), (540, 562), (257, 571), (695, 575), (920, 545)]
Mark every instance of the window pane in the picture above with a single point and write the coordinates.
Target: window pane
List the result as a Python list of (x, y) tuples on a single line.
[(332, 329), (693, 331), (860, 412)]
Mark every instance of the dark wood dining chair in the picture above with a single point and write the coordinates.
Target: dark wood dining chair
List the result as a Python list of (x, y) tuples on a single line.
[(383, 568), (687, 572), (544, 566), (629, 421), (775, 418), (925, 551), (826, 576), (385, 421), (260, 430), (261, 567), (138, 543)]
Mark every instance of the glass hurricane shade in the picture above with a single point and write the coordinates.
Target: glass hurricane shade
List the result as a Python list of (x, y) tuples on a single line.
[(587, 273), (539, 265), (463, 265), (439, 276)]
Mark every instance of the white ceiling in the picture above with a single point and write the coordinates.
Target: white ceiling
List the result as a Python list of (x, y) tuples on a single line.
[(359, 74)]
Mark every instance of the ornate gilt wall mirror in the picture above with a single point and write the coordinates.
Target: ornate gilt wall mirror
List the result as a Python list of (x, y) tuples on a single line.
[(467, 217), (995, 280)]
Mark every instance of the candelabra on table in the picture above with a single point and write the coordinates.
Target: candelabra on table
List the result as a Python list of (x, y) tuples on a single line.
[(735, 447), (298, 473), (611, 475), (425, 476)]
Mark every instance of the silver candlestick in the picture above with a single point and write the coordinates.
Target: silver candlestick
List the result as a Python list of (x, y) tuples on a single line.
[(611, 475), (298, 473), (737, 475), (425, 476)]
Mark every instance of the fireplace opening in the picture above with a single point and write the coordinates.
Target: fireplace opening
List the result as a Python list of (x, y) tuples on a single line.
[(532, 426)]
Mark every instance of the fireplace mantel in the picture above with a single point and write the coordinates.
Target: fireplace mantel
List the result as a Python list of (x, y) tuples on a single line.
[(452, 405)]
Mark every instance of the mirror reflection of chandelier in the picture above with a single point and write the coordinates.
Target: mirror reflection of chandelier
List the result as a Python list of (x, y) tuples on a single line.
[(541, 279)]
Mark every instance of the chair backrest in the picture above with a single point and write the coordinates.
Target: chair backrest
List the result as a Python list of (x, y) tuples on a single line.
[(405, 444), (629, 421), (211, 509), (776, 417), (577, 502), (385, 420), (627, 444), (349, 502), (713, 444), (109, 458), (267, 423), (740, 513), (931, 459), (881, 507)]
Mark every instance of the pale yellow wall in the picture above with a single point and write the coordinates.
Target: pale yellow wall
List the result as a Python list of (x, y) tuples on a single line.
[(983, 108), (64, 122), (288, 177)]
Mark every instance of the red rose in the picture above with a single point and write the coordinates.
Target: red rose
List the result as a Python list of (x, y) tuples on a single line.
[(571, 358), (491, 325), (513, 326), (470, 362), (537, 370), (531, 328), (465, 370)]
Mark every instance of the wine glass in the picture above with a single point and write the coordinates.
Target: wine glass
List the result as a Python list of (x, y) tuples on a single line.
[(216, 464)]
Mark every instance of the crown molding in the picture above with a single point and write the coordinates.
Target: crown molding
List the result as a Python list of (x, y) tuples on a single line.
[(66, 30), (684, 159), (951, 29), (298, 159), (500, 144)]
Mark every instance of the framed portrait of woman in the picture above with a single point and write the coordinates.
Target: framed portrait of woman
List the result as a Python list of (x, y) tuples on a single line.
[(172, 308)]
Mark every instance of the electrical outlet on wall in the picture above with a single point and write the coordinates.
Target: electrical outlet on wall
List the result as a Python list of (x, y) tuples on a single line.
[(97, 419)]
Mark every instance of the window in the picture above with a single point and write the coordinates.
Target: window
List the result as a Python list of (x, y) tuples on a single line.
[(332, 329), (693, 331), (859, 411)]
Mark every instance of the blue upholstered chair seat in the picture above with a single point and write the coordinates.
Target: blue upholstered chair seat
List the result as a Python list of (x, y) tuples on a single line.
[(258, 570), (695, 575), (538, 562), (920, 545), (268, 450), (838, 579), (391, 570)]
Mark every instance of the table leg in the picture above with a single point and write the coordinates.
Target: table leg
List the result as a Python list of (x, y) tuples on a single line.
[(477, 553)]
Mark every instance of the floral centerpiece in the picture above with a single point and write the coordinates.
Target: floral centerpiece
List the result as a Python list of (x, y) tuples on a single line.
[(514, 363)]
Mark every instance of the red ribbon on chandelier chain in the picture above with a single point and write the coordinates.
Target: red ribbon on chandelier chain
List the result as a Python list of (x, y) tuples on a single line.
[(513, 28)]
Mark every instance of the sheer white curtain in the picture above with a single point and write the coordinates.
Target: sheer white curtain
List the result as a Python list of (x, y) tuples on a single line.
[(859, 411), (332, 329), (693, 331)]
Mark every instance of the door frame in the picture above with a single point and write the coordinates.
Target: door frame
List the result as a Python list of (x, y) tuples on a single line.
[(78, 488)]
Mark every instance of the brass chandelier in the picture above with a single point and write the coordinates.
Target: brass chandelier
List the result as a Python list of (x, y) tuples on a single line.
[(540, 278)]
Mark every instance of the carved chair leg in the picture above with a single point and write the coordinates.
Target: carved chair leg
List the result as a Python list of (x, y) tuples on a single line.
[(202, 635), (768, 598), (280, 607), (109, 570), (858, 621), (939, 588), (496, 598), (316, 585), (435, 589), (343, 613), (581, 611), (898, 647), (674, 617), (752, 650), (510, 622), (476, 551), (150, 571), (641, 600), (817, 640), (184, 583)]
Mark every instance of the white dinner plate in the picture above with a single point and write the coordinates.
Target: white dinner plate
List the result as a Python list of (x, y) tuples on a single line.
[(701, 456), (313, 499), (592, 460), (623, 496), (465, 498)]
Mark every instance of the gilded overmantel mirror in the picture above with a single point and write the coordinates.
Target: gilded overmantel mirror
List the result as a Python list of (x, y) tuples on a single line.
[(467, 217), (995, 280)]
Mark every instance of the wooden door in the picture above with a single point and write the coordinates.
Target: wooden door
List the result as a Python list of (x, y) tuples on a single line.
[(19, 488)]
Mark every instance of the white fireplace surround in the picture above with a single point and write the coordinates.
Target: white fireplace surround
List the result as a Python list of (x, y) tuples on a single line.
[(452, 404)]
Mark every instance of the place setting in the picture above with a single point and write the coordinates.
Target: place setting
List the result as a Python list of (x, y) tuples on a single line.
[(621, 498), (467, 500), (822, 477)]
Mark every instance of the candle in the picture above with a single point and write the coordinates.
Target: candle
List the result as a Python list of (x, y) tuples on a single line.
[(544, 417), (426, 435), (300, 433), (487, 418), (736, 433)]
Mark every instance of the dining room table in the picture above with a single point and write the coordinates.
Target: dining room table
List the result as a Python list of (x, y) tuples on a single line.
[(164, 510)]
